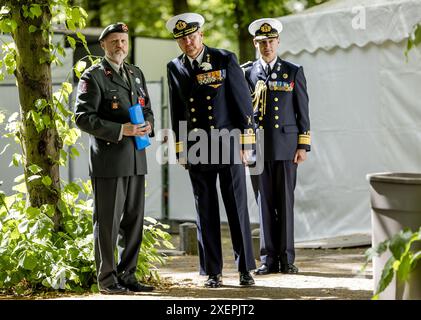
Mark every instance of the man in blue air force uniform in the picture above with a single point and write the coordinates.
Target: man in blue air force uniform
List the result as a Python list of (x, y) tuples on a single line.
[(280, 103), (117, 169), (207, 94)]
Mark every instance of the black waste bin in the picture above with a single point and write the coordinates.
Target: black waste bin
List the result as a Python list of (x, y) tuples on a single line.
[(396, 204)]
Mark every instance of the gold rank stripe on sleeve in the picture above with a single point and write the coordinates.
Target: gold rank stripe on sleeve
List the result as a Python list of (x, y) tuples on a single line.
[(211, 77), (248, 138), (179, 147), (304, 138)]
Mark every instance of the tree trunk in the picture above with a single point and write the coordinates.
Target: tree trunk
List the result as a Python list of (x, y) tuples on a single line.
[(245, 12), (180, 6), (34, 82), (94, 10)]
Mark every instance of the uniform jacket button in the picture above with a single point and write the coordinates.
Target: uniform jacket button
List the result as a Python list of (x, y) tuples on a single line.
[(108, 143)]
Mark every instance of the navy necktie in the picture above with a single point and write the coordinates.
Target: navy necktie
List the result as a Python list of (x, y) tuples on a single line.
[(267, 70), (196, 68)]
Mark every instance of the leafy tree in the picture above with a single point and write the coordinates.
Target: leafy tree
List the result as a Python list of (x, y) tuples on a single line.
[(226, 20), (30, 58), (46, 226)]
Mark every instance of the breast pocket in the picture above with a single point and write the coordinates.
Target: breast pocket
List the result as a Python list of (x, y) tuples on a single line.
[(112, 99)]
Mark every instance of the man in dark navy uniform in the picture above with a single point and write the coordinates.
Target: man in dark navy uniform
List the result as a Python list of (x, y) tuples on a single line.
[(280, 104), (117, 169), (208, 100)]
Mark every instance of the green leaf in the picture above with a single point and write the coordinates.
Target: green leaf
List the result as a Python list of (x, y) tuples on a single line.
[(32, 212), (79, 68), (46, 120), (20, 188), (36, 10), (67, 87), (40, 104), (23, 226), (74, 153), (404, 267), (72, 42), (33, 177), (29, 261), (34, 168), (417, 35), (63, 207), (46, 181), (19, 178), (387, 275), (32, 29), (398, 243), (151, 220), (16, 160)]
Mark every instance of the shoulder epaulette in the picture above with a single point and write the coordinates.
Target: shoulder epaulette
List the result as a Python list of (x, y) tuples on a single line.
[(246, 64)]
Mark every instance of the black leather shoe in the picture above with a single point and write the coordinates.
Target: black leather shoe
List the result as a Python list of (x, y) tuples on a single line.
[(138, 287), (114, 289), (246, 279), (264, 269), (289, 268), (214, 281)]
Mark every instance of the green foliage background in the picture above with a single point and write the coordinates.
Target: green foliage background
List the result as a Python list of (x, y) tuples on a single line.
[(34, 254)]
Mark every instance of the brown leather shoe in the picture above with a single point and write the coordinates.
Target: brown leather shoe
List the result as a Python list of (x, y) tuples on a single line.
[(214, 281)]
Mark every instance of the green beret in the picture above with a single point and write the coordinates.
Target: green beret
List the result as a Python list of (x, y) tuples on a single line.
[(116, 27)]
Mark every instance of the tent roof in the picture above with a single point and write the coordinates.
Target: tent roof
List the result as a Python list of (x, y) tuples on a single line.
[(338, 23)]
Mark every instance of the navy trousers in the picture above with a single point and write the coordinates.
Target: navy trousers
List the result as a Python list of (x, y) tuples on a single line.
[(234, 194), (274, 191)]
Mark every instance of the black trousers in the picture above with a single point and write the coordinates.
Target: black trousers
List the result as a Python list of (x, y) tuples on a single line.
[(118, 221), (274, 191), (234, 194)]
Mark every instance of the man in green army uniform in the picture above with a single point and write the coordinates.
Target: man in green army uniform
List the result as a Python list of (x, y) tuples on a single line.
[(106, 91)]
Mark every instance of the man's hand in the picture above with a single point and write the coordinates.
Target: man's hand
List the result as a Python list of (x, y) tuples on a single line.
[(300, 156), (130, 129), (245, 156), (183, 161)]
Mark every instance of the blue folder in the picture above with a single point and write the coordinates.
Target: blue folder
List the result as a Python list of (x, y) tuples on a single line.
[(136, 117)]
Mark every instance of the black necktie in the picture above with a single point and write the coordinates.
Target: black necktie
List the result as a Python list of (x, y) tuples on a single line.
[(123, 75), (267, 69), (196, 68)]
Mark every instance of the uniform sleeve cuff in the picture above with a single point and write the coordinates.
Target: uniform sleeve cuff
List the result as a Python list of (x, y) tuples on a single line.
[(179, 147), (304, 138), (248, 138)]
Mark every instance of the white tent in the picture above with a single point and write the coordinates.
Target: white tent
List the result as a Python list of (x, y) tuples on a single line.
[(365, 106)]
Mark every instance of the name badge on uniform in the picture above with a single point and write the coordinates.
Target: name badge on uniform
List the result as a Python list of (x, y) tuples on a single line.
[(211, 77)]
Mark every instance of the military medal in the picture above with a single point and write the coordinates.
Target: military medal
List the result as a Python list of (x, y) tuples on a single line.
[(114, 105), (285, 76), (273, 75), (137, 80)]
